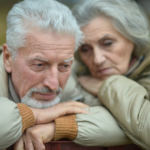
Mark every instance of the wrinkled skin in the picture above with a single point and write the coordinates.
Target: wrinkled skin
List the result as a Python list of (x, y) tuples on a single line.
[(105, 52)]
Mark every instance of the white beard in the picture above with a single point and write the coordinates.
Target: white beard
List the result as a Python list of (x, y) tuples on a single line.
[(31, 102)]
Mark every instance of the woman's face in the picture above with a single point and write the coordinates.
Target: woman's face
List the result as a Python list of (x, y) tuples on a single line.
[(105, 51)]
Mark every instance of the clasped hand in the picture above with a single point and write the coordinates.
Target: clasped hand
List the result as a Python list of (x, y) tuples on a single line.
[(90, 84), (44, 129)]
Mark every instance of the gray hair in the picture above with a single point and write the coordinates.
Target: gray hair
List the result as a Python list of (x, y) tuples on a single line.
[(126, 16), (41, 14)]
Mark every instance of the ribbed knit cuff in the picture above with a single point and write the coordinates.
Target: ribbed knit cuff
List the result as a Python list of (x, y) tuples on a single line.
[(27, 115), (66, 127)]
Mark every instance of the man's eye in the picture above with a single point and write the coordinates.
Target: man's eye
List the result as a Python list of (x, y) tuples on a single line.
[(39, 65), (66, 66)]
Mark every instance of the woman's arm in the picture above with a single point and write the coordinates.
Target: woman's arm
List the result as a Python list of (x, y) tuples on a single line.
[(129, 103)]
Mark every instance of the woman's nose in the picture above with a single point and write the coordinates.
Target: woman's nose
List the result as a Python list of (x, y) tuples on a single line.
[(99, 57)]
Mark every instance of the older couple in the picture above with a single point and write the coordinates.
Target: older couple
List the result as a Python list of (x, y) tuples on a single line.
[(111, 66)]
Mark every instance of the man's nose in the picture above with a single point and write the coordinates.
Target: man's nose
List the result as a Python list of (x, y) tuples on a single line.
[(51, 79), (99, 57)]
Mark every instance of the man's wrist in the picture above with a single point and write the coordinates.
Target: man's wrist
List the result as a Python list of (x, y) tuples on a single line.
[(66, 127), (28, 118), (35, 113)]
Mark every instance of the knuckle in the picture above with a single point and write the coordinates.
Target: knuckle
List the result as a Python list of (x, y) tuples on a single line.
[(32, 132), (28, 130)]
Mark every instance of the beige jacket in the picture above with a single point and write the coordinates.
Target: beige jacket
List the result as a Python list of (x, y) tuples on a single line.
[(128, 101), (14, 118)]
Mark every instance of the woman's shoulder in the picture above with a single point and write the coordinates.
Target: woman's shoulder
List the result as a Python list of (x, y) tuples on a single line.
[(143, 69)]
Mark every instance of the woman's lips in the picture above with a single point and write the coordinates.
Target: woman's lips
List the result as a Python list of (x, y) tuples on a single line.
[(41, 96), (105, 71)]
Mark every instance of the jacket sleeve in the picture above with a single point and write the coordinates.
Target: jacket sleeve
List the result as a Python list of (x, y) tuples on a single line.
[(10, 123), (14, 119), (97, 128), (129, 103)]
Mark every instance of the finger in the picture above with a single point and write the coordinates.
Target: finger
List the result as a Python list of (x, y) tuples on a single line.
[(28, 143), (74, 103), (74, 110), (38, 145), (19, 145)]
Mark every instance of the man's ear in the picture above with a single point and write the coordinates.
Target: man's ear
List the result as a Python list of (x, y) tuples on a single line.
[(7, 58)]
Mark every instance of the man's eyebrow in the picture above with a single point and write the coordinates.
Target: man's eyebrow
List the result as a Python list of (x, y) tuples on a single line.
[(68, 60), (39, 59)]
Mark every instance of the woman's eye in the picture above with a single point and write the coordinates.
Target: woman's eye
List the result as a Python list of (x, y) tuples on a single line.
[(107, 44), (85, 49)]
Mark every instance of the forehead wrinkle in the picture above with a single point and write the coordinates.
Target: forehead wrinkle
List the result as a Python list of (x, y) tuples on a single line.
[(50, 47), (91, 31), (35, 42), (39, 59)]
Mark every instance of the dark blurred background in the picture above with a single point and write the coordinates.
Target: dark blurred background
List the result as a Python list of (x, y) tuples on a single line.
[(5, 6)]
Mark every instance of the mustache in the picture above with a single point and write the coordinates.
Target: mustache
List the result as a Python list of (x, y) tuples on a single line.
[(44, 90)]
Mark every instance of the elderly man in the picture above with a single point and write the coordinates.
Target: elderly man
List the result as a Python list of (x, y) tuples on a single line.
[(34, 67)]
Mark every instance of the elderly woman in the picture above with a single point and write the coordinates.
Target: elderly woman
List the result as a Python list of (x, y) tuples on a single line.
[(113, 64)]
